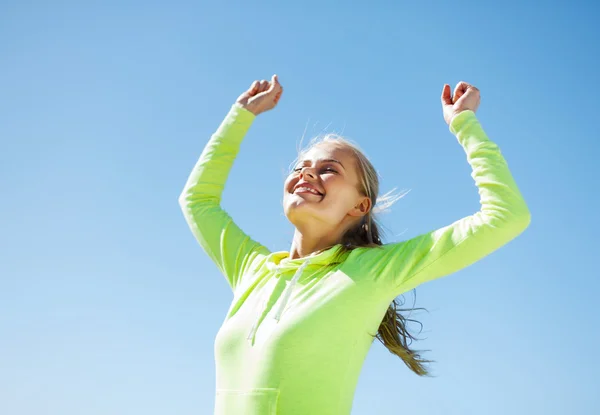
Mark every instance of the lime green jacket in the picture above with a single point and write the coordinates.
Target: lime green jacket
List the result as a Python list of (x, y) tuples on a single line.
[(297, 332)]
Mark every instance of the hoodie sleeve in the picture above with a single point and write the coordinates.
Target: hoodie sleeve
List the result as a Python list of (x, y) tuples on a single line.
[(224, 242), (502, 217)]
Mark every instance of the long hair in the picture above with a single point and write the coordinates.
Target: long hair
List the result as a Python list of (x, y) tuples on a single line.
[(393, 332)]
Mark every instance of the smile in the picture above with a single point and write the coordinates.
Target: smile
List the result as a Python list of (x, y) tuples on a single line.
[(307, 190)]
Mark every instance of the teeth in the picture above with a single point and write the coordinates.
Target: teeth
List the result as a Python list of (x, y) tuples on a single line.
[(308, 189)]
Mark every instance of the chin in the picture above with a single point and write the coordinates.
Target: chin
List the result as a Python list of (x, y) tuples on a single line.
[(297, 201), (293, 206), (296, 207)]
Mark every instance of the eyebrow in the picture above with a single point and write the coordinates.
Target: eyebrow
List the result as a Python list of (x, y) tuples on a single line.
[(327, 161)]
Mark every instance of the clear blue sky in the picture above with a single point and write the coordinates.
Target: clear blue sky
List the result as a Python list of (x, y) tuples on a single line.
[(109, 306)]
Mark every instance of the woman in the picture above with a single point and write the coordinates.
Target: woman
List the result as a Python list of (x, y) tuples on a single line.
[(301, 322)]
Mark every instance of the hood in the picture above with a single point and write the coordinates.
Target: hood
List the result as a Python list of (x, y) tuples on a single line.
[(279, 262)]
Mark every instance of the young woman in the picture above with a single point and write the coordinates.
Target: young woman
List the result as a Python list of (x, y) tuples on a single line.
[(301, 322)]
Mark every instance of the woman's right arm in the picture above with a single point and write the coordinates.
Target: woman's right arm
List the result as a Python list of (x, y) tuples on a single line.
[(226, 244)]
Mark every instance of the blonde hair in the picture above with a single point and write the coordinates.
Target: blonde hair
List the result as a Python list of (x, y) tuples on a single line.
[(392, 333)]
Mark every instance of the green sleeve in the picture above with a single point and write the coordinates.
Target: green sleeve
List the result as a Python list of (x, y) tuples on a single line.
[(502, 217), (224, 242)]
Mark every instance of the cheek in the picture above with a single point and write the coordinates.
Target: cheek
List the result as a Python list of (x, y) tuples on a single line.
[(335, 186), (341, 194), (287, 184)]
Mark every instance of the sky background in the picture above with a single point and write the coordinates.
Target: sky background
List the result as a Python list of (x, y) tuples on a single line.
[(108, 305)]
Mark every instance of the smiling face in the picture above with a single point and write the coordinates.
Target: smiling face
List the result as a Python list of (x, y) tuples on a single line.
[(332, 171)]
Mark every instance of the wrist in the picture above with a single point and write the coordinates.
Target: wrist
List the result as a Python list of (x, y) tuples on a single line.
[(460, 119), (248, 107), (241, 110)]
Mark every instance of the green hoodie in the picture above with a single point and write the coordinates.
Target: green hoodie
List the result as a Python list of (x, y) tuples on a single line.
[(298, 330)]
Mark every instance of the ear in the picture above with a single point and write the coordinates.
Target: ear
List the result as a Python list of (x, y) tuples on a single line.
[(362, 207)]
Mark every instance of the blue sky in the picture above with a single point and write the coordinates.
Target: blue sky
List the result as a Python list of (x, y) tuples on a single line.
[(109, 306)]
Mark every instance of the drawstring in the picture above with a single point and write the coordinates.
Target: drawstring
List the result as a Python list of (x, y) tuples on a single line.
[(289, 289), (286, 296)]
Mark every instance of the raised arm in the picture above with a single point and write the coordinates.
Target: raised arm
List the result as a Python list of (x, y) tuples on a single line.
[(502, 217), (224, 242)]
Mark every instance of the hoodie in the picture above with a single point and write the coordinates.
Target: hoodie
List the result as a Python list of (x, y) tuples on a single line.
[(297, 331)]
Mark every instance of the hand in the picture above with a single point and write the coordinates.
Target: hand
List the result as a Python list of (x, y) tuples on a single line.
[(466, 97), (262, 96)]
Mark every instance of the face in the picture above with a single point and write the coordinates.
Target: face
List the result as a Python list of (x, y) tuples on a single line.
[(332, 171)]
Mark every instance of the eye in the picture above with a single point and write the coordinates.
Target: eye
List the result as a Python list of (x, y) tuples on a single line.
[(297, 169)]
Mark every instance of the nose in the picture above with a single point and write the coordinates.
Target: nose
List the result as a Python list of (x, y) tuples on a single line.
[(308, 171)]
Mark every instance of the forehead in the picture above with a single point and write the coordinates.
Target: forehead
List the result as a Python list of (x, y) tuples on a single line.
[(323, 151)]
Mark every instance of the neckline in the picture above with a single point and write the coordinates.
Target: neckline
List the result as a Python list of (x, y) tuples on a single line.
[(315, 258)]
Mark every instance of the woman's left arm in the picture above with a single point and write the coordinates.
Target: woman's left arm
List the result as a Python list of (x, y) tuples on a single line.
[(502, 217)]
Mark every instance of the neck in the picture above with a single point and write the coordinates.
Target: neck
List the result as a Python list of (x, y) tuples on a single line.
[(306, 243)]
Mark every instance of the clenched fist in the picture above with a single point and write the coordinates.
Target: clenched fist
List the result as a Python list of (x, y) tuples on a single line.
[(262, 96), (466, 97)]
